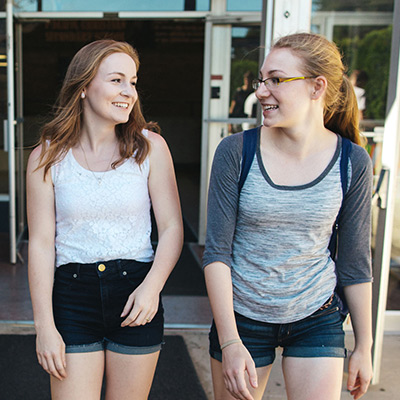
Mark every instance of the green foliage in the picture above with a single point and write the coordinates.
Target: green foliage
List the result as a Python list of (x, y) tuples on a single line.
[(370, 53), (374, 58)]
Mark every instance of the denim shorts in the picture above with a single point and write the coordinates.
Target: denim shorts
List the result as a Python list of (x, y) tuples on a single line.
[(319, 335), (88, 300)]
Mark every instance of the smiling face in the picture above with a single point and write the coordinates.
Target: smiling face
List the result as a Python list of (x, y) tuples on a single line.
[(111, 95), (288, 104)]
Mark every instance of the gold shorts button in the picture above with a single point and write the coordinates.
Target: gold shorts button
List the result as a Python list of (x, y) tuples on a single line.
[(101, 267)]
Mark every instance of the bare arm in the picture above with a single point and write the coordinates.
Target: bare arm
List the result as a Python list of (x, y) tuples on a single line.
[(142, 305), (41, 222), (360, 365), (236, 360)]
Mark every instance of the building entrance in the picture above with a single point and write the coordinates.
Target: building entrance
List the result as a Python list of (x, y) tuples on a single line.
[(169, 85)]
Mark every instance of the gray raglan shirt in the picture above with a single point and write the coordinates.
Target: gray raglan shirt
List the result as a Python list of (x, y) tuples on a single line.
[(275, 238)]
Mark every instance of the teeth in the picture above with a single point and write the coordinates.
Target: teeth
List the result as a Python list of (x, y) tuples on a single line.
[(270, 107), (122, 105)]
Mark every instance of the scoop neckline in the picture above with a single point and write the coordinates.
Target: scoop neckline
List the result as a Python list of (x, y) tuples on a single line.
[(314, 182)]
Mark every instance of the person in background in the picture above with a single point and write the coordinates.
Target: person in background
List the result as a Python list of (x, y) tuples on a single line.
[(236, 110), (270, 277), (90, 185), (359, 79)]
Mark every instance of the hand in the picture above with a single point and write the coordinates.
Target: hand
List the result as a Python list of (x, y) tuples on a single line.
[(50, 350), (236, 361), (141, 306), (360, 373)]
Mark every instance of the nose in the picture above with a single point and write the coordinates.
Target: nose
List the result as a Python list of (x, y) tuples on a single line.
[(263, 91), (128, 90)]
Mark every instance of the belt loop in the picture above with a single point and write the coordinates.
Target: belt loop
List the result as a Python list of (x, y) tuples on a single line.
[(119, 266)]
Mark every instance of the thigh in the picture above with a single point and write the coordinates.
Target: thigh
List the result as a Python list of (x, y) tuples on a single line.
[(313, 378), (84, 377), (129, 376), (220, 391)]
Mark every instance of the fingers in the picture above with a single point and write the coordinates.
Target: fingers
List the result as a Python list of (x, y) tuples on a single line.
[(357, 385), (138, 312), (359, 388), (53, 364)]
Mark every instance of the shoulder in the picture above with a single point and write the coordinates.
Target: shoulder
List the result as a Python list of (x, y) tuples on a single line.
[(360, 159), (231, 144), (157, 143), (34, 158)]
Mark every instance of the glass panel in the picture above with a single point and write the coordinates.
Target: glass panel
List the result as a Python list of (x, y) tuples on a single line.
[(366, 47), (244, 68), (113, 6), (2, 5), (240, 5)]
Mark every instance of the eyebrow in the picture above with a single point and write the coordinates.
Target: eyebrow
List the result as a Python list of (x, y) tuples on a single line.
[(273, 71), (121, 74)]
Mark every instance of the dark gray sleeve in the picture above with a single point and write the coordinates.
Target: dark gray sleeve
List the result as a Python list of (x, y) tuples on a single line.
[(354, 236), (223, 197)]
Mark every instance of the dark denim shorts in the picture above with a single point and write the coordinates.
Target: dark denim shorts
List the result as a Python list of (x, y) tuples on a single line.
[(88, 300), (319, 335)]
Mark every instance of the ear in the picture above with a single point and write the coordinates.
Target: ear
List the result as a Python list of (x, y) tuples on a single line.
[(319, 87)]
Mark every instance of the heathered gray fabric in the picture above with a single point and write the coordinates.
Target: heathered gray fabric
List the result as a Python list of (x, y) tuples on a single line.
[(275, 238)]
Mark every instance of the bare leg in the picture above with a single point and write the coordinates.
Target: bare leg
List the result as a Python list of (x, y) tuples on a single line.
[(85, 376), (129, 376), (220, 391), (313, 378)]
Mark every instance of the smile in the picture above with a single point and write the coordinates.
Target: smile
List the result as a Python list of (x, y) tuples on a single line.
[(270, 107), (121, 105)]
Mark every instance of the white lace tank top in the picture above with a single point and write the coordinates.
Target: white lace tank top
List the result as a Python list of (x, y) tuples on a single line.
[(101, 221)]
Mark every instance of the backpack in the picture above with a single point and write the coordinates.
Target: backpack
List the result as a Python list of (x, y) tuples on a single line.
[(249, 149)]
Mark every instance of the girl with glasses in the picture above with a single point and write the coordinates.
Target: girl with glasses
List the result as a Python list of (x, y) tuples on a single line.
[(270, 275)]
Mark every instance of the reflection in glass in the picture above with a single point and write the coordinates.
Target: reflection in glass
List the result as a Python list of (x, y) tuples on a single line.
[(244, 68)]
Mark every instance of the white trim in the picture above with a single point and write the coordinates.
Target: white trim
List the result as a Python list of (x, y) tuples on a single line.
[(11, 130), (163, 14)]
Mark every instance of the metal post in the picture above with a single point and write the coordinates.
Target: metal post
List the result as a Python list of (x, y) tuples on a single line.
[(10, 129)]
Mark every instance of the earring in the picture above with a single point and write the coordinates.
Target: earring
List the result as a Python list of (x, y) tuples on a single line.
[(83, 95)]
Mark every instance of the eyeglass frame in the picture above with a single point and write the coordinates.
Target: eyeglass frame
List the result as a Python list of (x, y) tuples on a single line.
[(256, 84)]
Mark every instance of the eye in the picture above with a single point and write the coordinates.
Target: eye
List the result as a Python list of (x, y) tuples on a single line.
[(275, 81), (117, 80), (133, 83)]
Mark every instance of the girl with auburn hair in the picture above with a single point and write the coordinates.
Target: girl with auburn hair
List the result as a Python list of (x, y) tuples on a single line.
[(270, 274), (95, 280)]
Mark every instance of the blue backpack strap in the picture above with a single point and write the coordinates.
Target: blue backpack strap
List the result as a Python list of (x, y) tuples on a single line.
[(344, 179), (248, 152)]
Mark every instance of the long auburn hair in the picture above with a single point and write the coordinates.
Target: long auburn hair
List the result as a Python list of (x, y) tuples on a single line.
[(322, 57), (63, 131)]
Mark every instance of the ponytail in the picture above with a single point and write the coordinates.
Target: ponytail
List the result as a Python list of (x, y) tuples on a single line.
[(342, 117)]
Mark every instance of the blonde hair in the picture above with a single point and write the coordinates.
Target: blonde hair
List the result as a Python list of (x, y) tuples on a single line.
[(63, 131), (322, 58)]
